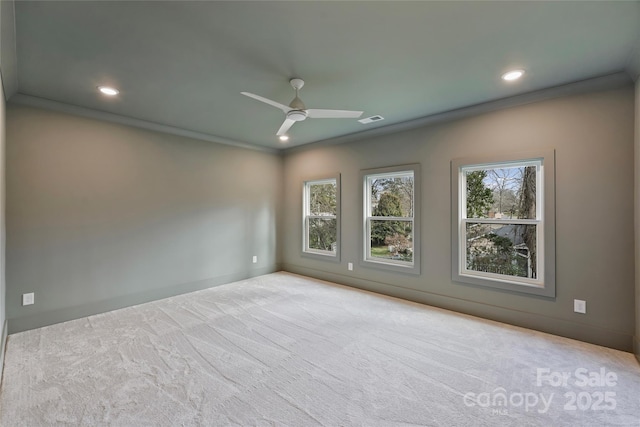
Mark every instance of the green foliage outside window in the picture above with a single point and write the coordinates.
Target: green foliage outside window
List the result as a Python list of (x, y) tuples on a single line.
[(322, 229), (479, 196), (392, 197), (508, 194)]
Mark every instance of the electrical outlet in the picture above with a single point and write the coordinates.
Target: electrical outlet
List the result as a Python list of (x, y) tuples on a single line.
[(579, 306), (255, 259), (350, 266), (28, 299)]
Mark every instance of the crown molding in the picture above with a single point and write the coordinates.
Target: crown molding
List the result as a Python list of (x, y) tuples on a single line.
[(47, 104), (610, 81), (606, 82)]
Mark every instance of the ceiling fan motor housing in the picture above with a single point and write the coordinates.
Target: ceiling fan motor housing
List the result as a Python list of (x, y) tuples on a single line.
[(297, 115)]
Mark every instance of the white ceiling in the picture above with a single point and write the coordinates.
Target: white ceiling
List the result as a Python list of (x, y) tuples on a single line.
[(183, 64)]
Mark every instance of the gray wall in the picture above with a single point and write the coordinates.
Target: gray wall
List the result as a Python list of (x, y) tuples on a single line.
[(593, 137), (3, 291), (637, 217), (101, 216), (8, 58), (6, 35)]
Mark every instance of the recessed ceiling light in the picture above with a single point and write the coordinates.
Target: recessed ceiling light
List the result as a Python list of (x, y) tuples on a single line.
[(512, 75), (284, 138), (107, 90)]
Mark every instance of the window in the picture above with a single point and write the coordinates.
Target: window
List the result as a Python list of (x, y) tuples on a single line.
[(504, 215), (390, 214), (321, 220)]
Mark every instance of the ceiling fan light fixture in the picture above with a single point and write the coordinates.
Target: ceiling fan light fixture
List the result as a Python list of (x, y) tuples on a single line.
[(512, 75), (297, 115), (108, 90)]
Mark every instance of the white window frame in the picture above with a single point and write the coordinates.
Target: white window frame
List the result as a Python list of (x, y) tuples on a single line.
[(306, 216), (366, 176), (544, 283)]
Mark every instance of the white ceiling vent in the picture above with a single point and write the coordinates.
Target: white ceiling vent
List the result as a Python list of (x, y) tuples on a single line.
[(371, 119)]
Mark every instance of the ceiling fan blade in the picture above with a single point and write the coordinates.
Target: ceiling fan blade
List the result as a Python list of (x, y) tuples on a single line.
[(283, 107), (285, 127), (333, 114)]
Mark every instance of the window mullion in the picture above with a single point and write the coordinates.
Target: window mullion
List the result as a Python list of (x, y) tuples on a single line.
[(518, 221), (392, 218)]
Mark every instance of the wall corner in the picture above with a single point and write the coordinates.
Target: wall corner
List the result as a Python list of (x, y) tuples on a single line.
[(636, 340)]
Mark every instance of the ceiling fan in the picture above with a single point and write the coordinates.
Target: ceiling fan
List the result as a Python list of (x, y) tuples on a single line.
[(296, 111)]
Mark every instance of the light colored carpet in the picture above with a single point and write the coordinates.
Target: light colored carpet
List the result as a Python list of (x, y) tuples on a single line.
[(287, 350)]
